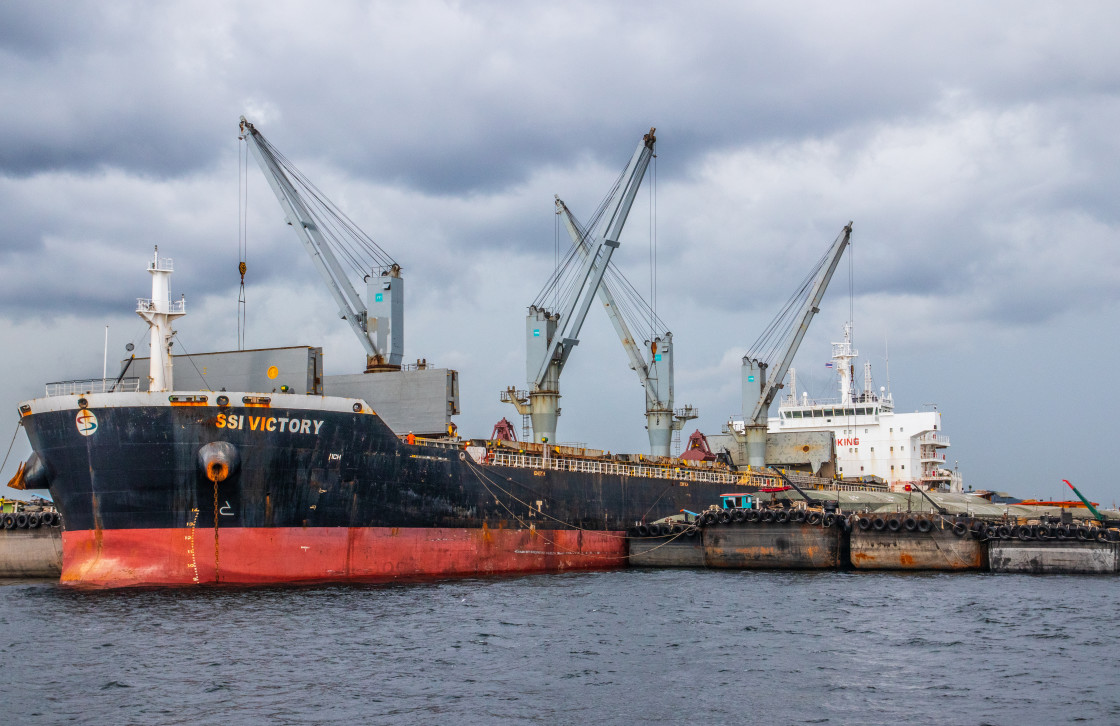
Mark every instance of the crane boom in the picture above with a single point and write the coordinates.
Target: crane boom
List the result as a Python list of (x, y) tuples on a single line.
[(758, 393), (551, 336), (595, 264), (1096, 515), (370, 330), (606, 297), (808, 310), (656, 375)]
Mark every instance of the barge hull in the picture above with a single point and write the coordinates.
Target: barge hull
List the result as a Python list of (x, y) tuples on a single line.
[(31, 552), (246, 555), (681, 551), (1054, 557), (938, 549), (787, 546)]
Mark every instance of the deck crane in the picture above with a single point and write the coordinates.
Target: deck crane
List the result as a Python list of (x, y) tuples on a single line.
[(759, 389), (323, 229), (1096, 515), (552, 335), (654, 373)]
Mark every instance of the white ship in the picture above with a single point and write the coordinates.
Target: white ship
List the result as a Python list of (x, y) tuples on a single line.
[(902, 449)]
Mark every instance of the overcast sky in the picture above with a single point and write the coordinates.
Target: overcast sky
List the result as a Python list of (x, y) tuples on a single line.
[(975, 147)]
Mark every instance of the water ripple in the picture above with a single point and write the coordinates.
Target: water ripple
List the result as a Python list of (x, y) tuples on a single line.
[(663, 647)]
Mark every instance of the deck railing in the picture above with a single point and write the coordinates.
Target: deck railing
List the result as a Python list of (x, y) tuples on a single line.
[(93, 385), (147, 305), (590, 466), (683, 473)]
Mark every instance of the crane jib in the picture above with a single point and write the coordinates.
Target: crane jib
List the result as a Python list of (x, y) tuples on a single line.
[(810, 308), (595, 264), (322, 228)]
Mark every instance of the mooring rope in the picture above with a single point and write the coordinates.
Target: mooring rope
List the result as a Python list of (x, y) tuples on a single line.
[(14, 435), (483, 476)]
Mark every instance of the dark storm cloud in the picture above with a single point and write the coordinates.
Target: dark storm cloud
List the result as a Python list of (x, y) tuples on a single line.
[(93, 87), (448, 98), (483, 96), (39, 30)]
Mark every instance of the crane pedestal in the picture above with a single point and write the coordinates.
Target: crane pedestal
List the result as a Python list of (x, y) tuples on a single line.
[(754, 440), (544, 409), (377, 364), (659, 426), (756, 445)]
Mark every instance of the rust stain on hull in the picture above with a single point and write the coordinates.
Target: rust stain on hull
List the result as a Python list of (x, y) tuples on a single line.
[(937, 549)]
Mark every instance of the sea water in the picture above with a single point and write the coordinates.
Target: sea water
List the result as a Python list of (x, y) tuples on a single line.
[(629, 646)]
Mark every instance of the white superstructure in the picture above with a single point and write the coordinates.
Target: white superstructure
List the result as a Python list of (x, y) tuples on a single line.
[(871, 439)]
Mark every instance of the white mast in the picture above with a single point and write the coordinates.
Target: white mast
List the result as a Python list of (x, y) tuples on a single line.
[(843, 354), (159, 311), (887, 353), (791, 399)]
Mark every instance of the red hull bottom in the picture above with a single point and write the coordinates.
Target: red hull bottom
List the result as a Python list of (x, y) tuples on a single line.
[(187, 556)]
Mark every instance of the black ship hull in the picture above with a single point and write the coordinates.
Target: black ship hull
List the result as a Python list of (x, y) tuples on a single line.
[(159, 490)]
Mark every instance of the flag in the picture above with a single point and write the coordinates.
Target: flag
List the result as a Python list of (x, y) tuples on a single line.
[(828, 364)]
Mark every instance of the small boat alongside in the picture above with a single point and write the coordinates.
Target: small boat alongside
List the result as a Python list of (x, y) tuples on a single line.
[(30, 541)]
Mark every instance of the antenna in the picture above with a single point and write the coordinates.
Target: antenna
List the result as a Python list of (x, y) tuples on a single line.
[(887, 351)]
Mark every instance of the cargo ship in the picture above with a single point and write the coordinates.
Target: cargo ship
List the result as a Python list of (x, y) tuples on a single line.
[(904, 450), (198, 487), (180, 487)]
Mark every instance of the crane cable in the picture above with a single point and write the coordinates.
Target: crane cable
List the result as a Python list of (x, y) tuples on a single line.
[(852, 311), (242, 235), (851, 286), (629, 302), (772, 340), (339, 232), (556, 258), (653, 251), (563, 283)]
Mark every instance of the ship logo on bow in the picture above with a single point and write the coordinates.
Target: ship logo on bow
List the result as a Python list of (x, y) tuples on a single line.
[(86, 421)]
